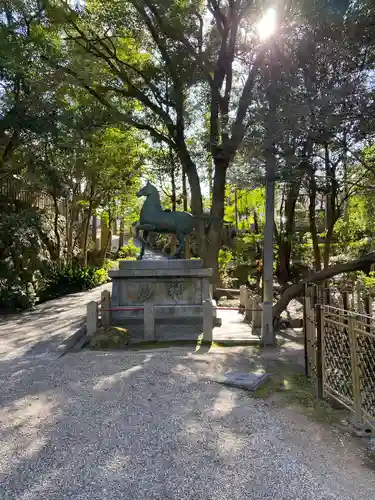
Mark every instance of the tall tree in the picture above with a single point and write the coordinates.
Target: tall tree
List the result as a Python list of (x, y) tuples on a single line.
[(210, 51)]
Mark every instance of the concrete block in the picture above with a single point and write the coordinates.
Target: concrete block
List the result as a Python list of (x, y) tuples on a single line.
[(206, 293), (257, 313), (242, 295), (149, 321), (150, 273), (173, 293), (176, 264), (248, 303), (244, 380), (92, 318)]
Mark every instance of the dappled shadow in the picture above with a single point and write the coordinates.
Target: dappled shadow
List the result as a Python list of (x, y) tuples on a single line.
[(154, 425), (40, 331)]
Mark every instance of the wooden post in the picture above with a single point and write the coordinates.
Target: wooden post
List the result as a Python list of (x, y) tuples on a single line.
[(92, 318), (355, 370), (306, 318), (207, 320), (319, 351), (106, 304)]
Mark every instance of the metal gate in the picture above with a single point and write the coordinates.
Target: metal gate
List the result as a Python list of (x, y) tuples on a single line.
[(340, 354), (348, 361)]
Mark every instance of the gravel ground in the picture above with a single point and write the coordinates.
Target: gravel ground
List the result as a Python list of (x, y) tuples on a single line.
[(149, 425)]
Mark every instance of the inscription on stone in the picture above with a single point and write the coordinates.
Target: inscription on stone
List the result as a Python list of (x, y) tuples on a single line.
[(145, 292), (176, 291)]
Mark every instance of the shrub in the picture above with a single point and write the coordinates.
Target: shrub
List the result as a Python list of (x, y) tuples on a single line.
[(23, 256), (129, 250), (17, 296), (71, 279), (225, 258)]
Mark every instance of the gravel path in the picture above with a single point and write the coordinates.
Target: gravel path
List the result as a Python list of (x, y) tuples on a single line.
[(149, 425)]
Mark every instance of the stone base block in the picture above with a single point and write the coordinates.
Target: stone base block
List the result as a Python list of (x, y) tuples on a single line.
[(174, 290)]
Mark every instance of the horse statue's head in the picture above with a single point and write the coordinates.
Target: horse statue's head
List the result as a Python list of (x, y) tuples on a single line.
[(147, 190)]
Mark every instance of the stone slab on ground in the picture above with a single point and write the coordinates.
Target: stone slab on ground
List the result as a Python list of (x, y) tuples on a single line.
[(234, 329), (244, 380)]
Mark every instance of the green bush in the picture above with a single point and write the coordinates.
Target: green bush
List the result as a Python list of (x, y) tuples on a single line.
[(24, 256), (129, 250), (225, 258), (70, 279), (17, 296)]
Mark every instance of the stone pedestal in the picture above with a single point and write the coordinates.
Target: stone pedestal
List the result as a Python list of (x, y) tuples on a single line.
[(174, 290)]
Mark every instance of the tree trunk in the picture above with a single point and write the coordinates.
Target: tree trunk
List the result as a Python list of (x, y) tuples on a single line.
[(184, 190), (327, 245), (196, 194), (331, 210), (236, 207), (268, 337), (86, 234), (121, 234), (217, 211), (72, 217), (104, 229), (287, 232), (56, 230), (106, 246), (297, 289), (312, 221), (94, 229), (173, 200)]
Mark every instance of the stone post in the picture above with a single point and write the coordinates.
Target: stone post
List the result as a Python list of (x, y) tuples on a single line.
[(92, 318), (257, 313), (149, 321), (207, 320), (106, 304), (242, 295), (206, 292), (248, 304)]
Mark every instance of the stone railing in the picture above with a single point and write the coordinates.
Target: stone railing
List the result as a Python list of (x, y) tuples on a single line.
[(100, 314)]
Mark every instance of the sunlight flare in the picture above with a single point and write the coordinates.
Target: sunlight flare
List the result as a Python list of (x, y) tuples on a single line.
[(267, 25)]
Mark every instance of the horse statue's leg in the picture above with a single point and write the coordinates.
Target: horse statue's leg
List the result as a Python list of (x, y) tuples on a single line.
[(143, 243), (180, 252)]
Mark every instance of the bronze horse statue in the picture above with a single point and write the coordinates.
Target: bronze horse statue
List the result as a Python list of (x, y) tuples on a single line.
[(154, 218)]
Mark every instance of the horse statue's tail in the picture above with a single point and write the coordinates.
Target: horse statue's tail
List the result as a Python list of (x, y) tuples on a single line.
[(206, 217)]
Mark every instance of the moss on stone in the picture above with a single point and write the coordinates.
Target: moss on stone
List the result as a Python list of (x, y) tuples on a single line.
[(110, 337)]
